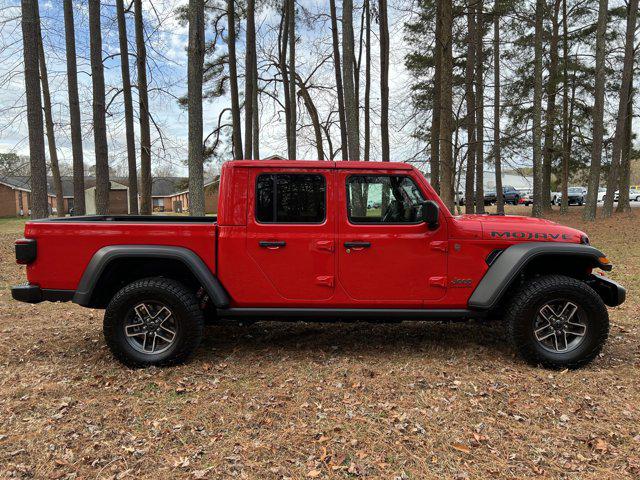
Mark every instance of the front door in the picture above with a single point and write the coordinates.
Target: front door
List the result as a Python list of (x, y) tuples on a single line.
[(386, 253), (291, 232)]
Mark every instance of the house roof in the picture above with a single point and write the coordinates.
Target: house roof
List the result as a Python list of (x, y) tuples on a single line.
[(160, 186)]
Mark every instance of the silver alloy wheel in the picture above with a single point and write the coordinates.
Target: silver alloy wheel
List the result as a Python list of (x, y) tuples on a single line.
[(150, 328), (560, 326)]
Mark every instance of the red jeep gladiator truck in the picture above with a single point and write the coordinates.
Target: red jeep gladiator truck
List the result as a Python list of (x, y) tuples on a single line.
[(326, 241)]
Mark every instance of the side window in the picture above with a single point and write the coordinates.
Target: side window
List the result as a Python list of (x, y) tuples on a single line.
[(383, 199), (290, 198)]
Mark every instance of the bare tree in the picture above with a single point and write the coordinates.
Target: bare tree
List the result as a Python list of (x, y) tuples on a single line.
[(446, 107), (469, 194), (303, 92), (292, 83), (74, 110), (48, 122), (249, 83), (350, 102), (589, 212), (480, 107), (99, 122), (496, 106), (537, 112), (367, 83), (339, 87), (434, 159), (39, 206), (233, 81), (550, 114), (384, 80), (143, 100), (128, 108), (625, 93)]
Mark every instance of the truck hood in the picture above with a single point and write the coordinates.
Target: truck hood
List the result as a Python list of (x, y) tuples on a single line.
[(518, 228)]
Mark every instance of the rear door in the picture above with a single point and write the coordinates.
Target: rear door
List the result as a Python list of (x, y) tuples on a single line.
[(291, 231), (386, 253)]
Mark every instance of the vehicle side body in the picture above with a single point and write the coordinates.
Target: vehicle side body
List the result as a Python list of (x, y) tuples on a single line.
[(347, 258), (432, 269)]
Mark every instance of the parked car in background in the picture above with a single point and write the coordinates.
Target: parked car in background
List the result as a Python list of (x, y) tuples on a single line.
[(526, 197), (576, 195), (555, 198), (602, 193), (510, 195), (634, 195)]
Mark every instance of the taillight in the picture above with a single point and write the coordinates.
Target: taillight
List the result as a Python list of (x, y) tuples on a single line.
[(26, 250)]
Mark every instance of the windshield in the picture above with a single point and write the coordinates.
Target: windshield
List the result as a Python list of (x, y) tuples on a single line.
[(575, 190)]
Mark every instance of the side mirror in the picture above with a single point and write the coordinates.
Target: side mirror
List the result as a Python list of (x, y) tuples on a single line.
[(431, 214)]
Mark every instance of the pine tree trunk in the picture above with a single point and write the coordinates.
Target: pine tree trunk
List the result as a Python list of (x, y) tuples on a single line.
[(74, 110), (566, 153), (194, 93), (292, 82), (367, 82), (446, 121), (550, 115), (625, 166), (99, 123), (249, 84), (434, 159), (384, 81), (256, 112), (625, 92), (143, 100), (233, 82), (128, 108), (496, 106), (469, 191), (48, 121), (480, 108), (589, 212), (283, 43), (29, 18), (339, 87), (350, 103), (537, 112)]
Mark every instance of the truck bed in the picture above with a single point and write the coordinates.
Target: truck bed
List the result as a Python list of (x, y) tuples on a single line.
[(66, 245)]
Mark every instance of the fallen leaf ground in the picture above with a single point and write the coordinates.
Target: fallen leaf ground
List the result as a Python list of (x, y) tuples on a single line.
[(281, 400)]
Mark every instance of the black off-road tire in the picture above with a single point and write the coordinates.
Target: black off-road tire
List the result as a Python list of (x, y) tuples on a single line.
[(523, 308), (185, 310)]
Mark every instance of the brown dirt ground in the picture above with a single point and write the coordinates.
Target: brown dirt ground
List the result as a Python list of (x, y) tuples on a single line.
[(277, 400)]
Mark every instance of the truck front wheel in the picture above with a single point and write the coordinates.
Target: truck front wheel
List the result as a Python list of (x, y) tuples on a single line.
[(558, 322), (153, 321)]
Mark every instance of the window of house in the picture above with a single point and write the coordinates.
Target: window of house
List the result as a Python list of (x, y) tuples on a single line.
[(290, 198), (383, 199)]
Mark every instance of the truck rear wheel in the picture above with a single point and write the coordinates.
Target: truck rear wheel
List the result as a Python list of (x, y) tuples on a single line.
[(558, 322), (153, 321)]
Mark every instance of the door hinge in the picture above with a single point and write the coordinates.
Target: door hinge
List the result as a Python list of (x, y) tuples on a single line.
[(441, 245), (325, 280), (326, 245), (440, 282)]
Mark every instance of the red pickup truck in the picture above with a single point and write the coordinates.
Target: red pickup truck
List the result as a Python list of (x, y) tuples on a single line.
[(326, 241)]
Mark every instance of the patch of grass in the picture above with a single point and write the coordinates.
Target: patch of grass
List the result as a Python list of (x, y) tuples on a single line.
[(12, 224)]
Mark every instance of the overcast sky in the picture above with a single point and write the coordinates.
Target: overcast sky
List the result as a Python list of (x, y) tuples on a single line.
[(167, 69)]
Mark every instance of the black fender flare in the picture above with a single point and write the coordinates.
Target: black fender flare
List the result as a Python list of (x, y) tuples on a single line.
[(103, 257), (506, 267)]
